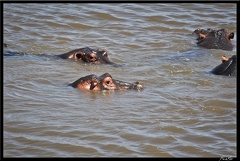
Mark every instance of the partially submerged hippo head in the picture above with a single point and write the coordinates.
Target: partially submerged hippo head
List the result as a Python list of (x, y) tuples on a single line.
[(214, 39), (228, 67), (87, 55), (104, 82)]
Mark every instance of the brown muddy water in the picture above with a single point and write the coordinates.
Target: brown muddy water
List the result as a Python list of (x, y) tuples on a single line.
[(184, 110)]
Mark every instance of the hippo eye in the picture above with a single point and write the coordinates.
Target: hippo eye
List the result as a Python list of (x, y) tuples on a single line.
[(107, 82)]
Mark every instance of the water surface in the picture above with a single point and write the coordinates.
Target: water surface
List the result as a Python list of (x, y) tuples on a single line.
[(184, 111)]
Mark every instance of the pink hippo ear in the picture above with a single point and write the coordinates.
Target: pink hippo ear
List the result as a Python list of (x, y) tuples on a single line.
[(224, 58)]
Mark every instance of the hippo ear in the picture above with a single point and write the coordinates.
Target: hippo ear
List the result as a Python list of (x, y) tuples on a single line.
[(105, 54), (224, 58), (231, 36), (202, 36)]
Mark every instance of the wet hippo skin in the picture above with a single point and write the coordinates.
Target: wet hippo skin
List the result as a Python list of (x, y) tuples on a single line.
[(228, 67), (87, 55), (214, 39), (104, 82)]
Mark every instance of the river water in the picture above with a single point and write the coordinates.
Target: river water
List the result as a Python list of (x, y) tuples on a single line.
[(184, 110)]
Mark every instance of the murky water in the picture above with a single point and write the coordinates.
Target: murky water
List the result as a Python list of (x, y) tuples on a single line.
[(184, 111)]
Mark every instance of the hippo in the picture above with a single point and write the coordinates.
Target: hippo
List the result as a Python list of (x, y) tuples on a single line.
[(228, 67), (104, 82), (88, 55), (214, 39)]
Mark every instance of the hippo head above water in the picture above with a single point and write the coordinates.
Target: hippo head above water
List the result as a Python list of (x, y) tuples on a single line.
[(104, 82), (214, 39), (228, 67), (87, 55)]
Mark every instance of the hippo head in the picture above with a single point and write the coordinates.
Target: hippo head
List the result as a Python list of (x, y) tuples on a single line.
[(87, 55), (228, 67), (215, 39), (104, 82)]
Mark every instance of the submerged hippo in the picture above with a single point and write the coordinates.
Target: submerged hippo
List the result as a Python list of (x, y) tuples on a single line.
[(214, 39), (104, 82), (87, 55), (228, 67)]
